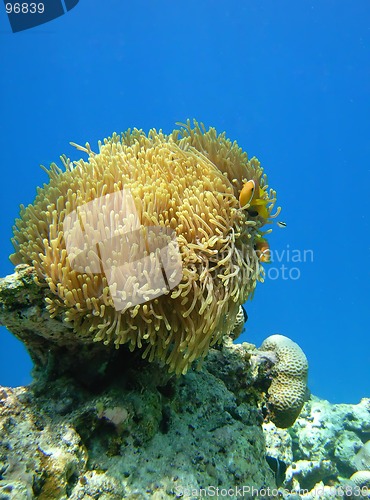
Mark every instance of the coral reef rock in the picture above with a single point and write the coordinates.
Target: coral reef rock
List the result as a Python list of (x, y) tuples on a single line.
[(105, 423), (325, 452), (140, 436)]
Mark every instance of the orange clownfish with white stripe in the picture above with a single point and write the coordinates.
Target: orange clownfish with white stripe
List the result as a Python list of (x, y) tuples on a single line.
[(263, 251), (253, 199)]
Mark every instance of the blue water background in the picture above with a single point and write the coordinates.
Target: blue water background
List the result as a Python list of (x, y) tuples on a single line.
[(290, 81)]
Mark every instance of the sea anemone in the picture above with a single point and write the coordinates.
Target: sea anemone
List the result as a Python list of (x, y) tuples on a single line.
[(182, 191)]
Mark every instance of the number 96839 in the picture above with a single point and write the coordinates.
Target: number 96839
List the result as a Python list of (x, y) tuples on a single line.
[(24, 8)]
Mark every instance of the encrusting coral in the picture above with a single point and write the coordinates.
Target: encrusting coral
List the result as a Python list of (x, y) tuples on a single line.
[(188, 184)]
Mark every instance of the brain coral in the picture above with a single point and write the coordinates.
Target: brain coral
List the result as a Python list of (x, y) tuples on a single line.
[(289, 379), (187, 183), (361, 479)]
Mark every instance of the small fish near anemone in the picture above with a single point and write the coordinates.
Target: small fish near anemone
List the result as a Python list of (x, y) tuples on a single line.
[(263, 250), (145, 243)]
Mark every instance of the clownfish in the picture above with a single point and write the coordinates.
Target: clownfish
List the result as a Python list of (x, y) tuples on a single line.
[(246, 194), (263, 250), (252, 198)]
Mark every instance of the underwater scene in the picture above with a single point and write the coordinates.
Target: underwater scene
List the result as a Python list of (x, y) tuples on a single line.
[(185, 243)]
